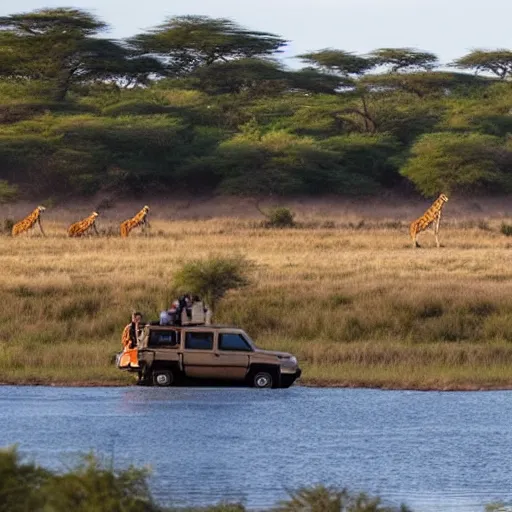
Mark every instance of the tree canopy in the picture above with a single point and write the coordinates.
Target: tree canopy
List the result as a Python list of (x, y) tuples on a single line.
[(403, 59), (497, 62), (205, 105), (186, 43), (60, 47)]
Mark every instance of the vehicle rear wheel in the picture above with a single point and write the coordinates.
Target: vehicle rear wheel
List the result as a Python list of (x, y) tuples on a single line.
[(163, 378), (262, 380)]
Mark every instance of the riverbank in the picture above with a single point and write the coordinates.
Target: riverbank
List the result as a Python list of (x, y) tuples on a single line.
[(353, 301)]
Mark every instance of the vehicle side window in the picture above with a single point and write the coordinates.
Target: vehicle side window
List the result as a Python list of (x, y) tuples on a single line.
[(199, 340), (233, 341), (169, 339)]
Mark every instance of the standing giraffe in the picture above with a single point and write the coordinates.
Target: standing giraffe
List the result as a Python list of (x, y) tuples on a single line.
[(82, 226), (141, 219), (432, 217), (28, 222)]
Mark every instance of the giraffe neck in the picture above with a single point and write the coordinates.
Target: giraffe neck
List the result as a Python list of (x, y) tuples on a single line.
[(437, 205)]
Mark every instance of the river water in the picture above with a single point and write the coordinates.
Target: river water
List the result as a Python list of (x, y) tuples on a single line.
[(433, 451)]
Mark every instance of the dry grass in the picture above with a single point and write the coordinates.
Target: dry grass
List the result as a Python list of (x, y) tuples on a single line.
[(353, 300)]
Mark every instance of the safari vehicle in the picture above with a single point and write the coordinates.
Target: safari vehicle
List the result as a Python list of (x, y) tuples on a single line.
[(169, 355)]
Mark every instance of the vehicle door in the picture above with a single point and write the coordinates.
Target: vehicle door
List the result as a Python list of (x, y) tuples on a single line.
[(163, 344), (199, 359), (233, 355)]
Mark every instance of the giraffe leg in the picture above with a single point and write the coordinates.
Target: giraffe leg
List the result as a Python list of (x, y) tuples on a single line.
[(436, 232), (95, 229), (40, 226)]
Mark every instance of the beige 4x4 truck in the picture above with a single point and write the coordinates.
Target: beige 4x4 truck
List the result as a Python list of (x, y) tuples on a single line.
[(167, 355)]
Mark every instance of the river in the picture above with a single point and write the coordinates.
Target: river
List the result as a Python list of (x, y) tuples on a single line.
[(434, 451)]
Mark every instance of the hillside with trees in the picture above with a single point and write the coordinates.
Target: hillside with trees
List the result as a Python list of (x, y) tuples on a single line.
[(204, 105)]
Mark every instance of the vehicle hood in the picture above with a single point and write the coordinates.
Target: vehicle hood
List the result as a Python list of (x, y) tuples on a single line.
[(274, 353)]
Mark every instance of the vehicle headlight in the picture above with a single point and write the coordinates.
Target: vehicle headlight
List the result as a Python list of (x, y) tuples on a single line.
[(293, 360)]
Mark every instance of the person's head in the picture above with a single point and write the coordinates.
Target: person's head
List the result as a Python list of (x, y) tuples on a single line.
[(196, 298), (137, 317)]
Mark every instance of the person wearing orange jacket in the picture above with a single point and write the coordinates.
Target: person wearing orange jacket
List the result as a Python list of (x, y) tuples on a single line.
[(129, 338)]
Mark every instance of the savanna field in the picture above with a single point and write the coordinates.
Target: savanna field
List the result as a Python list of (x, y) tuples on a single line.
[(344, 291)]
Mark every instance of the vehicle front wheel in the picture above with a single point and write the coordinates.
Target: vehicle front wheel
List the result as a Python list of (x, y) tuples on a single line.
[(163, 378), (262, 380)]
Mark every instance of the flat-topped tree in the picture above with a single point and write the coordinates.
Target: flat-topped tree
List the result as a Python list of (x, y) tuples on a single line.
[(349, 68), (498, 62), (186, 43), (343, 63), (423, 83), (403, 59), (61, 47)]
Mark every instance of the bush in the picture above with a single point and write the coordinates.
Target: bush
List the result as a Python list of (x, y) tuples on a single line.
[(280, 217), (87, 487), (325, 499), (211, 279), (506, 229)]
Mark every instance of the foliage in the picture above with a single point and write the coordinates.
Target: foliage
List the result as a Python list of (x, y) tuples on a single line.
[(190, 42), (59, 47), (25, 486), (403, 59), (325, 499), (452, 162), (91, 486), (423, 83), (169, 110), (506, 229), (344, 63), (212, 278), (280, 217), (497, 62)]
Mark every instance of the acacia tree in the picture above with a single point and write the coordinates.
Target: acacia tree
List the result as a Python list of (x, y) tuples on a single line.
[(497, 62), (403, 59), (60, 47), (340, 62), (186, 43), (422, 83), (349, 68)]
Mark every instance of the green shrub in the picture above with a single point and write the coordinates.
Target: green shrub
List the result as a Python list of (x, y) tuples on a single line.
[(280, 217), (506, 229), (212, 278), (326, 499)]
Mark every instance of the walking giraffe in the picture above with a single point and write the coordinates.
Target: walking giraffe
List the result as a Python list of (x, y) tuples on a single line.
[(82, 226), (141, 219), (28, 222), (432, 217)]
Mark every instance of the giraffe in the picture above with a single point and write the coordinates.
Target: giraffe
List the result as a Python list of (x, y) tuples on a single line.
[(28, 222), (82, 226), (141, 219), (432, 217)]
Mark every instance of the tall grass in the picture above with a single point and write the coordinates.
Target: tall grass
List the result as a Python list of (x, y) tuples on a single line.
[(356, 304)]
